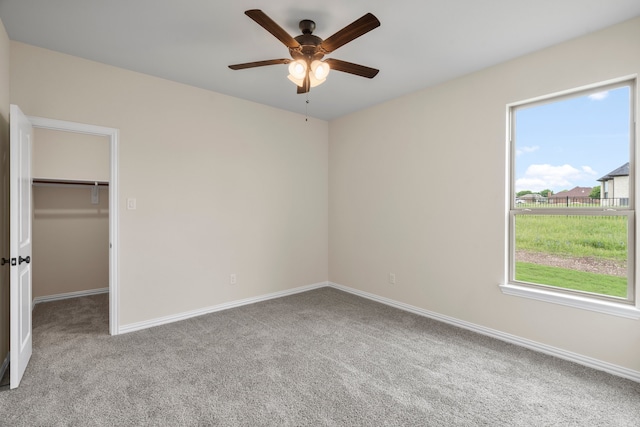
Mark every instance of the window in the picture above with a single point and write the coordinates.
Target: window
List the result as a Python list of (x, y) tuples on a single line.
[(571, 197)]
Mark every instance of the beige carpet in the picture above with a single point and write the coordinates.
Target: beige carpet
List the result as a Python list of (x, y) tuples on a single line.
[(322, 357)]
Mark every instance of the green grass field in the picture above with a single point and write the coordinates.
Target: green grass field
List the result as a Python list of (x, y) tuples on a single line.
[(572, 236), (571, 279)]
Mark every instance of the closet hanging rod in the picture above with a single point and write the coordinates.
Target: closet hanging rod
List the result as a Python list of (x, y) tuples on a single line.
[(40, 181)]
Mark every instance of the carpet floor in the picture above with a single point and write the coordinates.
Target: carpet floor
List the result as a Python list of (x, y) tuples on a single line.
[(322, 357)]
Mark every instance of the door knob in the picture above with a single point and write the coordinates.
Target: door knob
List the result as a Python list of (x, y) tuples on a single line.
[(5, 261), (21, 260)]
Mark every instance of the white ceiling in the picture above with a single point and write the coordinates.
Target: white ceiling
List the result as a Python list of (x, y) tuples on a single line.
[(420, 42)]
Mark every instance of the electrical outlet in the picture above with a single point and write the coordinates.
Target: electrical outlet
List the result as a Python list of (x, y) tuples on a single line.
[(392, 278), (232, 279)]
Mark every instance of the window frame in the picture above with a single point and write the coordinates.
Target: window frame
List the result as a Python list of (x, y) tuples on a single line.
[(626, 307)]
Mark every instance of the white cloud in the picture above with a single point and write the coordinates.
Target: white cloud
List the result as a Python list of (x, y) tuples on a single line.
[(541, 177), (520, 151), (599, 96)]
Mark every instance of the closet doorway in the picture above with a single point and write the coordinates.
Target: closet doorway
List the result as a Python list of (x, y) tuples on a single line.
[(75, 212), (70, 222)]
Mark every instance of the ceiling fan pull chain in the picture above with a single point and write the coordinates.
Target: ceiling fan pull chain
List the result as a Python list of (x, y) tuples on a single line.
[(306, 109)]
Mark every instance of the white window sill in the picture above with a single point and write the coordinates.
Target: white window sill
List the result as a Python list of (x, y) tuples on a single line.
[(622, 310)]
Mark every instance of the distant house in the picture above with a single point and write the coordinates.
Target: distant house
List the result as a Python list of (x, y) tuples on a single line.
[(614, 187), (573, 196)]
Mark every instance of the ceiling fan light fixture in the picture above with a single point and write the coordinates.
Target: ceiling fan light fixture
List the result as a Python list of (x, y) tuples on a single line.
[(298, 69), (298, 82), (313, 82), (320, 70)]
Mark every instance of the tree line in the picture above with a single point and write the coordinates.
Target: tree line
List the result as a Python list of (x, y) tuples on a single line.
[(595, 192)]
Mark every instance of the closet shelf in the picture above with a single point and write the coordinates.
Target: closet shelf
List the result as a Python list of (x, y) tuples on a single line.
[(68, 182)]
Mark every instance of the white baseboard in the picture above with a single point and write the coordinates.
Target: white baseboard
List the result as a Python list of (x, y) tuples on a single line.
[(76, 294), (512, 339), (131, 327), (5, 364)]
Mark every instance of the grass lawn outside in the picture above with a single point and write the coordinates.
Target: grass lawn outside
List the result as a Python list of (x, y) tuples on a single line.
[(571, 279), (573, 235), (577, 237)]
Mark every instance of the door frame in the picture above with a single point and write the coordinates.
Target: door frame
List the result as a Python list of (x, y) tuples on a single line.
[(113, 135)]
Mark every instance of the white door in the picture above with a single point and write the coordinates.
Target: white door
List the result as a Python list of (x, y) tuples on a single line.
[(21, 134)]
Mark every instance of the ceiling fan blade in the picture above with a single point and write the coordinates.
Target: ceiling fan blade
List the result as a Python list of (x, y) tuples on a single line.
[(352, 31), (351, 68), (270, 25), (259, 64), (306, 85)]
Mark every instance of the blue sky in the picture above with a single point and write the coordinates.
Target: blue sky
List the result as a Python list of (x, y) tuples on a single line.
[(573, 142)]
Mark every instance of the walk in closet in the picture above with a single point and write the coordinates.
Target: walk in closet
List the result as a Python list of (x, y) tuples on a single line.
[(70, 214)]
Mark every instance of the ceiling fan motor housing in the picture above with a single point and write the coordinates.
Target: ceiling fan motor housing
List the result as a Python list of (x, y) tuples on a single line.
[(309, 44), (307, 26)]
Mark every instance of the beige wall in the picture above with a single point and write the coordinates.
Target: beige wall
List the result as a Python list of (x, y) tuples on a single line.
[(70, 240), (222, 185), (70, 156), (446, 243), (4, 191)]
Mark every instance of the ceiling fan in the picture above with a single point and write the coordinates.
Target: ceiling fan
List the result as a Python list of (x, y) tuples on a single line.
[(306, 68)]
